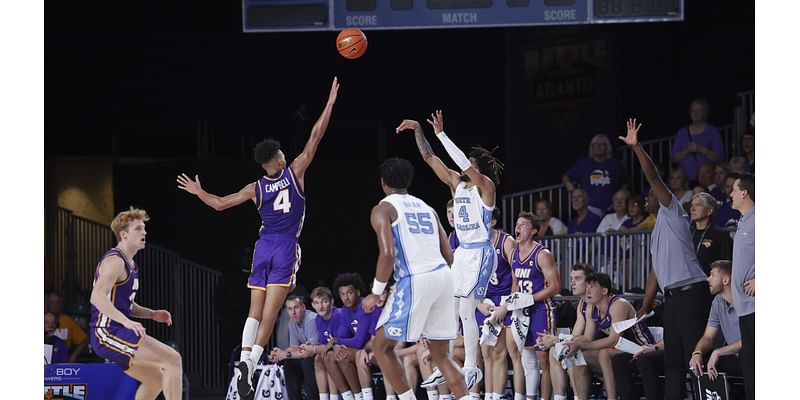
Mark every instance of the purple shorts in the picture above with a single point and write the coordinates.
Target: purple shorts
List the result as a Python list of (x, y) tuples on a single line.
[(543, 319), (115, 343), (479, 317), (276, 259)]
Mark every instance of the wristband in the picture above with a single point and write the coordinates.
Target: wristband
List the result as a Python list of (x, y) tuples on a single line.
[(378, 287), (697, 353)]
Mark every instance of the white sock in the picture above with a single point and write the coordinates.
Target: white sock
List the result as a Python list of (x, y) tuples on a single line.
[(324, 396), (248, 336), (348, 395), (466, 311), (488, 396), (560, 397), (255, 354), (335, 396), (409, 395), (467, 397), (388, 397), (366, 393), (496, 396), (519, 396), (359, 396), (433, 395)]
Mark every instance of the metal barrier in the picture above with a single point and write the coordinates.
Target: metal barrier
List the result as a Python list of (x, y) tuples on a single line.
[(169, 282), (557, 195), (625, 257)]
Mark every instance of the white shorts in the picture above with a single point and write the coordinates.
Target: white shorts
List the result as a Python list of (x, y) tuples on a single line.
[(420, 305), (472, 270)]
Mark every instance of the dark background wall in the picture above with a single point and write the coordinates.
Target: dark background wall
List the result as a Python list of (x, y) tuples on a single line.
[(169, 88)]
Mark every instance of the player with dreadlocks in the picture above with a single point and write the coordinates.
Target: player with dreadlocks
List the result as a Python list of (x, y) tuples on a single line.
[(474, 261)]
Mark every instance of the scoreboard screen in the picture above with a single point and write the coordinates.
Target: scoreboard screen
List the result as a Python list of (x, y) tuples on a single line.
[(309, 15)]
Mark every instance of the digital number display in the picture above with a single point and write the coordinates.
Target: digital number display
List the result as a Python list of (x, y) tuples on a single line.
[(636, 8)]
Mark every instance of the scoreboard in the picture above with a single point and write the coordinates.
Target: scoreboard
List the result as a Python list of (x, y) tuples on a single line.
[(311, 15)]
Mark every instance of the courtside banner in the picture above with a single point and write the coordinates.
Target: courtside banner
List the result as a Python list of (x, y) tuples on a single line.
[(87, 382)]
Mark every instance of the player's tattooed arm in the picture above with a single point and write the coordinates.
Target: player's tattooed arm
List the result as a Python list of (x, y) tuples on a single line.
[(446, 175)]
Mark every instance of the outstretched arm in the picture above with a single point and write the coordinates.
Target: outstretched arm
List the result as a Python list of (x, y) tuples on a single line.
[(485, 185), (301, 163), (446, 175), (648, 167), (216, 202)]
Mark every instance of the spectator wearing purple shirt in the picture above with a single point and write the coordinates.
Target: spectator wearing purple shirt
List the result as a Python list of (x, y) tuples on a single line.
[(699, 143), (599, 174), (584, 221)]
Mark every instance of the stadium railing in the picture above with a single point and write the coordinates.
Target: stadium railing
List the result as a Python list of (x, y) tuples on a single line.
[(169, 282)]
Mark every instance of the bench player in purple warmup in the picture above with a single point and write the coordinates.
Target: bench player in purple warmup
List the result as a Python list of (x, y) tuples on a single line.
[(113, 335), (280, 200)]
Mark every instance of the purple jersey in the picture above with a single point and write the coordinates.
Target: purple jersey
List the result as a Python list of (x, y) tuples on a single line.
[(281, 204), (325, 326), (530, 280), (122, 294), (352, 328), (500, 283), (639, 333), (453, 240)]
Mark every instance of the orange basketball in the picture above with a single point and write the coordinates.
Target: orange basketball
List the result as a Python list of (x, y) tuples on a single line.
[(351, 43)]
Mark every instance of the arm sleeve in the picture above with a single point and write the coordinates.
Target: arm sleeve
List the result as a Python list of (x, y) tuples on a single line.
[(362, 332), (454, 152)]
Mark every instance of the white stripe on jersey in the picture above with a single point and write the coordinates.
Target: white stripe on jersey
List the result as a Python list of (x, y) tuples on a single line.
[(416, 236), (473, 219)]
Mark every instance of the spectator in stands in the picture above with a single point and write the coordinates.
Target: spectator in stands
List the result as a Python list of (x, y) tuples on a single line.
[(551, 226), (679, 185), (327, 316), (638, 220), (60, 352), (743, 284), (710, 242), (298, 365), (607, 309), (739, 165), (749, 149), (676, 270), (579, 375), (721, 172), (76, 338), (699, 143), (599, 175), (726, 216), (612, 221), (706, 177), (584, 221), (722, 317)]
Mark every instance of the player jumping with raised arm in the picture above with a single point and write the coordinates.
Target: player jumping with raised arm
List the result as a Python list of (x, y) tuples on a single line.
[(474, 261), (280, 199)]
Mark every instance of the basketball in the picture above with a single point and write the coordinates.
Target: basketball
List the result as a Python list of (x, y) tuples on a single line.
[(351, 43)]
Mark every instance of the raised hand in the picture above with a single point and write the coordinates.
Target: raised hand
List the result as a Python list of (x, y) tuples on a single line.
[(437, 121), (334, 91), (407, 124), (632, 138), (189, 185), (162, 316)]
